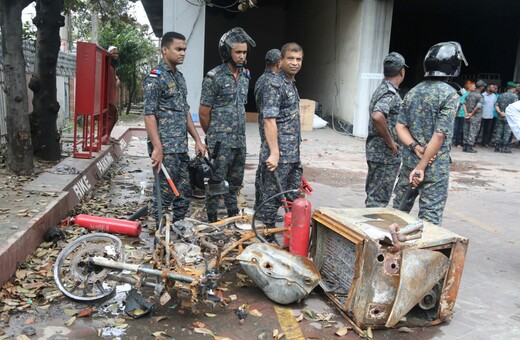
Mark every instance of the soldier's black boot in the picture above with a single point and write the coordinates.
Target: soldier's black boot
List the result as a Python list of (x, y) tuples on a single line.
[(471, 150), (212, 217), (232, 212), (505, 149), (498, 148), (465, 148)]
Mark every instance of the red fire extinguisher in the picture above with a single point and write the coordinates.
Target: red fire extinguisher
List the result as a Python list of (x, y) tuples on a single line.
[(300, 225), (108, 225)]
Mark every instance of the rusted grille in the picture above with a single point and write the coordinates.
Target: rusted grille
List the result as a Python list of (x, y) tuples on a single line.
[(336, 259)]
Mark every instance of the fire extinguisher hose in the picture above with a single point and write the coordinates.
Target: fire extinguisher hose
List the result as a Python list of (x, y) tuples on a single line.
[(253, 226)]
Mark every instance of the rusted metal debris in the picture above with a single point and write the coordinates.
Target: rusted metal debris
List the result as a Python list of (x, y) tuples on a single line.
[(384, 268), (285, 278), (188, 260)]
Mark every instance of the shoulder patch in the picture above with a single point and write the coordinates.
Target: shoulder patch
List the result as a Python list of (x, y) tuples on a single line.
[(211, 73), (247, 73), (155, 71), (275, 81)]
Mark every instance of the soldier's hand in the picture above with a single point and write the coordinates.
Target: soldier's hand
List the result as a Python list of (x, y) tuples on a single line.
[(200, 149), (432, 160), (419, 151), (416, 177), (272, 162), (394, 148), (157, 157)]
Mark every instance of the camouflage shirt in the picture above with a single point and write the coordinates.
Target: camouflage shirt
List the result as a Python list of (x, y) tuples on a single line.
[(505, 100), (475, 99), (165, 97), (429, 107), (260, 88), (282, 101), (387, 100), (226, 97)]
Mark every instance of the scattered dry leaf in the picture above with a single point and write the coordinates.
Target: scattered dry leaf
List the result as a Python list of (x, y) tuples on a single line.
[(404, 330), (70, 312), (202, 331), (86, 312), (30, 321), (70, 321), (211, 315), (198, 324), (255, 312), (159, 318), (342, 331)]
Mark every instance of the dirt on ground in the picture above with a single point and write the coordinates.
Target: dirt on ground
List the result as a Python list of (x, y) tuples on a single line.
[(337, 178)]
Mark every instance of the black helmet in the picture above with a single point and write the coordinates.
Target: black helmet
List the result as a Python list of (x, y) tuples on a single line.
[(443, 60), (202, 173), (199, 171), (234, 36)]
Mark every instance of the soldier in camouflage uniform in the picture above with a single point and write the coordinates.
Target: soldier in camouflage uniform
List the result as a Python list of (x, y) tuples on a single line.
[(382, 148), (474, 103), (223, 117), (425, 127), (272, 67), (167, 120), (502, 129), (280, 150)]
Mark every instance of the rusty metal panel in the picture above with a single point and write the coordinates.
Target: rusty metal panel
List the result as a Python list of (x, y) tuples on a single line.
[(368, 277)]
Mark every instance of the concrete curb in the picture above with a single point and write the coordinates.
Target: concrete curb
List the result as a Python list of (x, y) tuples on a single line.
[(70, 189)]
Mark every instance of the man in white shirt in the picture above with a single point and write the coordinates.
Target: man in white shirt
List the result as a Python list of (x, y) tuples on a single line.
[(490, 100), (513, 118)]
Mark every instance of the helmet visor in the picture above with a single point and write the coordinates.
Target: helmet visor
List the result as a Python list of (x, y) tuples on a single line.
[(235, 36)]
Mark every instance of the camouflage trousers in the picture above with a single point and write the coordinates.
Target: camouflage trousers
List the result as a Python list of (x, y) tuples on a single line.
[(471, 129), (290, 176), (433, 192), (502, 131), (229, 165), (177, 166), (258, 191), (380, 183)]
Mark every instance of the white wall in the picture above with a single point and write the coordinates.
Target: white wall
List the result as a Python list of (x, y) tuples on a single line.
[(376, 25), (188, 19), (345, 42)]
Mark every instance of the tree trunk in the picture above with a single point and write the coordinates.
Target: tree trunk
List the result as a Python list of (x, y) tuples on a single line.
[(19, 149), (45, 136), (131, 92)]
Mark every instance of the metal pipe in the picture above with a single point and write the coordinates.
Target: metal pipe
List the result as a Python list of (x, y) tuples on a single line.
[(103, 262)]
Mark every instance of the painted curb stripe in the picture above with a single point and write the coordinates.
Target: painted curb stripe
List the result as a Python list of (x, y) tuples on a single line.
[(290, 326)]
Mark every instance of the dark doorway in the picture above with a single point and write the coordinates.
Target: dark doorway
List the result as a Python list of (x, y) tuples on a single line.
[(488, 32)]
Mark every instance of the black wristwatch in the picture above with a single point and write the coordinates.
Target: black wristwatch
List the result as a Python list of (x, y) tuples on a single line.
[(412, 146)]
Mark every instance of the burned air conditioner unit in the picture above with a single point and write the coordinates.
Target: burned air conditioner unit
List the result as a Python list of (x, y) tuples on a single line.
[(381, 277)]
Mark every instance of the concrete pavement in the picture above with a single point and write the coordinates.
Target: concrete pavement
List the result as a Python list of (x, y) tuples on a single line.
[(482, 205)]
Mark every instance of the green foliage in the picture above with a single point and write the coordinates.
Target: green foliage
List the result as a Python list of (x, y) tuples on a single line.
[(109, 11), (116, 27), (136, 51), (29, 31)]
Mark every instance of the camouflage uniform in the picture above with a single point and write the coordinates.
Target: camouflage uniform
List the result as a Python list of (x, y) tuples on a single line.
[(260, 87), (472, 125), (227, 98), (281, 100), (165, 97), (429, 107), (382, 165), (502, 129)]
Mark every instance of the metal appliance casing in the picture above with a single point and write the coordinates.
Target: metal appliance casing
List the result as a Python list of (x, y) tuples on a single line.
[(352, 250)]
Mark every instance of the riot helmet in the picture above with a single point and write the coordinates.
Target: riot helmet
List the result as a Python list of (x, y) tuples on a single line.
[(232, 37), (444, 60)]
